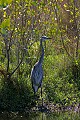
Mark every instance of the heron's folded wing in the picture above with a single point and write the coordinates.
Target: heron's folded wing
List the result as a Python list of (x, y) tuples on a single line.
[(37, 75)]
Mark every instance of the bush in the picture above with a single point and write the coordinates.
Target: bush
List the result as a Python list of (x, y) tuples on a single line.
[(16, 98), (59, 84)]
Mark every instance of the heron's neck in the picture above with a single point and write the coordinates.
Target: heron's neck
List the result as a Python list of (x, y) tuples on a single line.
[(42, 52)]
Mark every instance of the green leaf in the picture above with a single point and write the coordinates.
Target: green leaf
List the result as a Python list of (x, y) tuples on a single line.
[(5, 26), (34, 3), (5, 23), (4, 3), (4, 31)]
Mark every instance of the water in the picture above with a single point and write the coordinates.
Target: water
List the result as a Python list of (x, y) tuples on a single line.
[(40, 116)]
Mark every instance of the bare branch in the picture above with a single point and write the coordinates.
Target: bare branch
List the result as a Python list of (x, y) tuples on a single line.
[(16, 68), (76, 30), (60, 28), (65, 46)]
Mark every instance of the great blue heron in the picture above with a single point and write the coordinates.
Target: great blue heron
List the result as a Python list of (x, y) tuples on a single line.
[(37, 71)]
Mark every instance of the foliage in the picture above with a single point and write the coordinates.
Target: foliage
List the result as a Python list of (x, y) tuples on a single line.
[(58, 82), (16, 98), (22, 23)]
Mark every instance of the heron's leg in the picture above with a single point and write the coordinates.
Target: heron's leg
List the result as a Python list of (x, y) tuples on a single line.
[(41, 96)]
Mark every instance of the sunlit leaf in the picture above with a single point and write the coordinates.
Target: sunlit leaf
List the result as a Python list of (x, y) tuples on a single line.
[(5, 23), (34, 3), (5, 26), (4, 3)]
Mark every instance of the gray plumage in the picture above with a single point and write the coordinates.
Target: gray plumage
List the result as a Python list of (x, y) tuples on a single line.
[(37, 71)]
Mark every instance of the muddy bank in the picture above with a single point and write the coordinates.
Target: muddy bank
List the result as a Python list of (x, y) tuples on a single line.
[(50, 107)]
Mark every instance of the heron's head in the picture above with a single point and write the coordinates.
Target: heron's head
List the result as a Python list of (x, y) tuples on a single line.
[(43, 38)]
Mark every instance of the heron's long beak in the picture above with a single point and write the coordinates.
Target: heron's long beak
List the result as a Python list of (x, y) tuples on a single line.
[(48, 38), (45, 38)]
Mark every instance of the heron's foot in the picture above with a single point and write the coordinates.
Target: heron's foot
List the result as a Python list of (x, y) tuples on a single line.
[(42, 109), (36, 97)]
